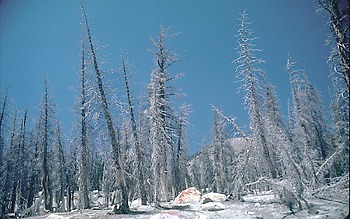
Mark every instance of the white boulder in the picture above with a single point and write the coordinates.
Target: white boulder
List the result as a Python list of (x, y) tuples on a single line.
[(190, 195), (216, 197), (135, 204), (213, 206)]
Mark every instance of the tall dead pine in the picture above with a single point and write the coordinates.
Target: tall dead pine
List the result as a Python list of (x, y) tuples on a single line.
[(138, 146), (46, 181), (124, 206), (83, 185), (249, 73)]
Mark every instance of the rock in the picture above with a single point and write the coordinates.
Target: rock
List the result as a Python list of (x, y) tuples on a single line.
[(97, 199), (190, 195), (110, 213), (11, 215), (207, 200), (313, 211), (216, 197), (257, 205), (96, 208), (213, 206), (135, 203), (250, 213), (231, 196)]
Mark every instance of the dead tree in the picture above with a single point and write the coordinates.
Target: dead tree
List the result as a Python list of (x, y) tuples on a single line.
[(138, 146), (124, 207), (83, 140)]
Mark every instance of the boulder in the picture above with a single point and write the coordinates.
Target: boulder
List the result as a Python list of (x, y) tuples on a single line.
[(190, 195), (206, 200), (213, 206), (216, 197), (135, 204)]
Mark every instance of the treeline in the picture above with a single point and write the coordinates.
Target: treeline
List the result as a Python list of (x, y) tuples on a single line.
[(138, 149), (126, 149)]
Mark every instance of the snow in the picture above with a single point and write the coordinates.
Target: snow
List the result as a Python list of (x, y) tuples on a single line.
[(232, 210), (164, 216), (259, 205), (146, 208), (56, 216)]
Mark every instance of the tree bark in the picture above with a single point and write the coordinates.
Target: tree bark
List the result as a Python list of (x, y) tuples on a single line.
[(46, 183), (1, 122), (124, 207), (84, 147), (138, 146)]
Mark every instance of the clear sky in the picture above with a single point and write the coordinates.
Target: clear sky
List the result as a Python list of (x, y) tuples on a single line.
[(40, 38)]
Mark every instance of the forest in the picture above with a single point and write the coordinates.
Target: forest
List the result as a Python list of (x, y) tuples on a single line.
[(144, 143)]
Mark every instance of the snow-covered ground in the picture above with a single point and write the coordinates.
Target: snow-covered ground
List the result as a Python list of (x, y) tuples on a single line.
[(255, 207)]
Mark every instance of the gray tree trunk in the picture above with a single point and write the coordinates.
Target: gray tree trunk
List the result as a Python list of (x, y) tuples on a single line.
[(46, 183), (84, 147), (124, 207), (138, 146)]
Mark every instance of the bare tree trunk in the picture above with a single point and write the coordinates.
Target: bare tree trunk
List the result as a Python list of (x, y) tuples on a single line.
[(163, 62), (46, 183), (21, 157), (1, 122), (178, 185), (250, 73), (34, 175), (15, 164), (30, 198), (260, 129), (163, 144), (19, 165), (62, 171), (84, 147), (340, 30), (5, 190), (339, 26), (124, 207), (138, 146)]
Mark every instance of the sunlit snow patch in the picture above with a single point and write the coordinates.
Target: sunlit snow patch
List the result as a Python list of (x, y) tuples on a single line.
[(165, 216), (56, 216)]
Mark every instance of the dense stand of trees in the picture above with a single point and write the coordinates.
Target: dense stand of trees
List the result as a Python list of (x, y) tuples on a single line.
[(129, 149), (301, 155)]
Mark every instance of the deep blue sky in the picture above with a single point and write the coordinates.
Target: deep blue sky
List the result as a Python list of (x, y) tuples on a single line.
[(40, 38)]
